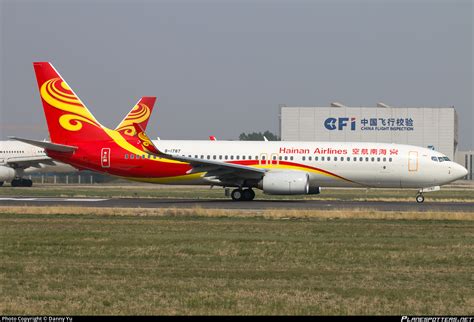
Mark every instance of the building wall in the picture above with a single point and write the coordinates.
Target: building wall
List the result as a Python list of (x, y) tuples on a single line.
[(436, 127)]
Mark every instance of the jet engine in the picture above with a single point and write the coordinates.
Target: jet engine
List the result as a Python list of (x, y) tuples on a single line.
[(7, 173), (285, 183)]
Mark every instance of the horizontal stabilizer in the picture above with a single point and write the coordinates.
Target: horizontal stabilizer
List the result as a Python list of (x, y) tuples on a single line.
[(47, 145)]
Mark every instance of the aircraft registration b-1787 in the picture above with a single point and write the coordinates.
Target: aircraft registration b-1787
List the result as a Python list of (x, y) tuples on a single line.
[(276, 167), (18, 159)]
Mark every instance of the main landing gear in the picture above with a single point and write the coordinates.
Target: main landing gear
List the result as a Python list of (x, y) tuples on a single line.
[(22, 183), (242, 194)]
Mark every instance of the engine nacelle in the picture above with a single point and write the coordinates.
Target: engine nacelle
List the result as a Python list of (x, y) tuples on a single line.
[(285, 183), (7, 173)]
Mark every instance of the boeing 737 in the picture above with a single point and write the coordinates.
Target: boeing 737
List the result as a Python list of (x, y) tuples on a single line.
[(275, 167), (18, 159)]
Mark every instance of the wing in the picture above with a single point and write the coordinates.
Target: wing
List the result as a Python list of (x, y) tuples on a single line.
[(26, 162), (140, 114), (215, 171)]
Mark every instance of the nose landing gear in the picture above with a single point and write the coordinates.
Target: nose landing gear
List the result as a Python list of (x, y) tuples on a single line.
[(420, 198)]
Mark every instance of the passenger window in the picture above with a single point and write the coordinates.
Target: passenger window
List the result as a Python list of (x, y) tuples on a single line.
[(286, 158), (315, 158), (354, 158), (202, 157), (208, 157), (237, 157), (322, 158), (243, 157), (225, 157), (304, 158), (274, 157), (132, 156), (378, 159), (366, 159), (372, 159), (335, 158), (214, 157), (126, 156), (329, 158), (232, 157), (220, 157), (389, 159), (361, 159), (291, 158)]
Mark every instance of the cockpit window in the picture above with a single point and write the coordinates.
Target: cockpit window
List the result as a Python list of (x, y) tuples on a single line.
[(441, 159), (446, 159), (434, 159)]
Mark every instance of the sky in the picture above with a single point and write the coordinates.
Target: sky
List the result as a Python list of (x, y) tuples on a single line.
[(223, 67)]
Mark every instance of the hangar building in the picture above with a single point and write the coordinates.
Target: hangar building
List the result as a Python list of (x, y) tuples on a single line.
[(435, 128)]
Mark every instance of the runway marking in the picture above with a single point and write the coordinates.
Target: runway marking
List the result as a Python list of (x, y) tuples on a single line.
[(53, 199)]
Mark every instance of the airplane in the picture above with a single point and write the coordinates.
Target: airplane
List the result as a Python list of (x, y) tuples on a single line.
[(18, 159), (275, 167)]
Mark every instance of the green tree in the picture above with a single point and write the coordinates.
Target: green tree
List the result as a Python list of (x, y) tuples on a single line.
[(258, 136)]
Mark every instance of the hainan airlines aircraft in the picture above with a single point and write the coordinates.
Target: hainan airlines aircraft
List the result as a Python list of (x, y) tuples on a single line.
[(283, 168), (18, 159)]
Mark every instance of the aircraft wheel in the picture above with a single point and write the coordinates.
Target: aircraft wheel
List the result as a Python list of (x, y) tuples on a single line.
[(1, 183), (27, 183), (420, 198), (237, 195), (15, 183), (248, 195)]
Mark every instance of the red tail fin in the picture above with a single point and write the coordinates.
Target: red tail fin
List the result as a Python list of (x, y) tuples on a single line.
[(140, 114), (69, 120)]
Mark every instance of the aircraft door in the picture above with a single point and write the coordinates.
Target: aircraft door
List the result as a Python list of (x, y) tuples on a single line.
[(105, 157), (412, 161)]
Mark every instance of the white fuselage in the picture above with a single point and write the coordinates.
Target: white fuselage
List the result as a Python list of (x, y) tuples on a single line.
[(330, 164)]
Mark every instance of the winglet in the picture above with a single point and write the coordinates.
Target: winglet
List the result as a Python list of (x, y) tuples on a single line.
[(145, 142), (139, 114)]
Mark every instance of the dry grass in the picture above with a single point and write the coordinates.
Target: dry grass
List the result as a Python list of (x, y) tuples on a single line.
[(283, 214)]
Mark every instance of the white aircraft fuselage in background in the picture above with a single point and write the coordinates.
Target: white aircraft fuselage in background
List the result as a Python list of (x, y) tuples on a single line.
[(18, 159)]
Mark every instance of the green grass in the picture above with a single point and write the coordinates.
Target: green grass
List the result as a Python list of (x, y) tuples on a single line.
[(85, 264), (153, 191)]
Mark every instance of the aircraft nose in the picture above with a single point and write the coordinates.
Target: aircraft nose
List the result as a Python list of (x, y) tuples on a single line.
[(459, 171)]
